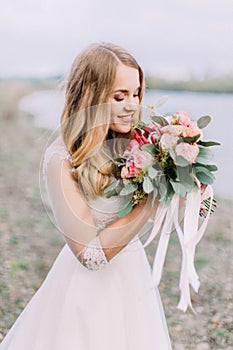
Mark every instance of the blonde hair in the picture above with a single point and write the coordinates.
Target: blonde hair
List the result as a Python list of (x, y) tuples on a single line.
[(86, 115)]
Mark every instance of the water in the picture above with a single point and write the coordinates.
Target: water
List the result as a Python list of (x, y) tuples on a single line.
[(47, 105)]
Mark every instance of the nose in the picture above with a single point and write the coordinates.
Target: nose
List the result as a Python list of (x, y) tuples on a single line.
[(131, 106)]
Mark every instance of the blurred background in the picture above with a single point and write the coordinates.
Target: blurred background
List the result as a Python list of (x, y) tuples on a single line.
[(185, 49)]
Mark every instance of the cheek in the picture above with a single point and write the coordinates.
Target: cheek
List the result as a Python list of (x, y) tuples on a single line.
[(116, 109)]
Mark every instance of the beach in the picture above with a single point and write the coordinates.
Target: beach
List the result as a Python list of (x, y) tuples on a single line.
[(30, 242)]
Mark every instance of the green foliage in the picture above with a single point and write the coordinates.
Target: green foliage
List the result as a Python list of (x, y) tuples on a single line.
[(160, 120), (202, 122), (126, 207), (147, 185), (128, 189)]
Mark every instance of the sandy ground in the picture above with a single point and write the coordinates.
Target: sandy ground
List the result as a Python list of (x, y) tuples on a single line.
[(29, 242)]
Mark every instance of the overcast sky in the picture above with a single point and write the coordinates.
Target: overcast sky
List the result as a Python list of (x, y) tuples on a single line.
[(171, 38)]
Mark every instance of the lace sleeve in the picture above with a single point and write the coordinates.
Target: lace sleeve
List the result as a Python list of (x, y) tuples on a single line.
[(92, 256), (69, 209)]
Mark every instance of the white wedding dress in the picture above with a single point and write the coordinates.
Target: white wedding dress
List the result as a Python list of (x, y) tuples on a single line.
[(112, 307)]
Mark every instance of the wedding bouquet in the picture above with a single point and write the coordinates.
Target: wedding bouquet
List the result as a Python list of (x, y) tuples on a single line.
[(168, 159), (165, 157)]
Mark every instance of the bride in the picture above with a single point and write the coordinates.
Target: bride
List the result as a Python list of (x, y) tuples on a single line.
[(99, 293)]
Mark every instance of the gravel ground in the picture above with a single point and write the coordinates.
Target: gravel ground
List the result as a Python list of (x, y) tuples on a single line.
[(29, 242)]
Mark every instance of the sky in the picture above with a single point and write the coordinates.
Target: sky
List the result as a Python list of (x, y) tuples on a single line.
[(169, 38)]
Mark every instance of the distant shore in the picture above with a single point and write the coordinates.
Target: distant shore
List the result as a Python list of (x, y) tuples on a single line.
[(214, 84)]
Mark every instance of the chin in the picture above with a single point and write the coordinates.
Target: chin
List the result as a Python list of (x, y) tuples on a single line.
[(122, 129)]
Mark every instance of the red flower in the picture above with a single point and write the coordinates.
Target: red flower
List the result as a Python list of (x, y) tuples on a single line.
[(140, 138), (133, 170)]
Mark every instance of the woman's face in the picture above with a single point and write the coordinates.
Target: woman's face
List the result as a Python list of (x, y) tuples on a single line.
[(124, 98)]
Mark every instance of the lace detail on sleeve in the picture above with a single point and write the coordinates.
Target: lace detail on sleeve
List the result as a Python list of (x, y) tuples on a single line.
[(93, 257)]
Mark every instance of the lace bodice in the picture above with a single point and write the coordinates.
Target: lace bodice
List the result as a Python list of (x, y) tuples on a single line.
[(104, 211)]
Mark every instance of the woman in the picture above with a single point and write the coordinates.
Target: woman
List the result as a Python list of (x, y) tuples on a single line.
[(99, 292)]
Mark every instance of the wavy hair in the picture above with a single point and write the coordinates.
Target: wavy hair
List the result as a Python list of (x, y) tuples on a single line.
[(86, 114)]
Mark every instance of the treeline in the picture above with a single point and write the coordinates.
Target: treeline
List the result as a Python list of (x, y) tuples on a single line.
[(221, 84)]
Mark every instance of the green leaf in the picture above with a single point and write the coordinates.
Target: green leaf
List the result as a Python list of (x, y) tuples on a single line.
[(190, 139), (149, 148), (208, 143), (126, 208), (162, 191), (155, 194), (203, 121), (179, 160), (128, 189), (204, 156), (160, 120), (186, 178), (211, 167), (179, 188), (112, 186), (111, 194), (152, 172), (147, 185), (204, 178)]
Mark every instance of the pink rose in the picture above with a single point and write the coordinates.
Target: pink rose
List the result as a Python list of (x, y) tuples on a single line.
[(143, 160), (192, 130), (187, 151), (133, 145), (183, 118), (124, 172)]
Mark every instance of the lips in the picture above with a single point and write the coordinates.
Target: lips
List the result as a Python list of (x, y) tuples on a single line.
[(126, 118)]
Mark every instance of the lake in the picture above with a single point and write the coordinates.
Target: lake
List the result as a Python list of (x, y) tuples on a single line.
[(47, 105)]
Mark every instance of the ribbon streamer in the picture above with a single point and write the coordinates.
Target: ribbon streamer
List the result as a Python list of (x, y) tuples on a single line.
[(189, 236)]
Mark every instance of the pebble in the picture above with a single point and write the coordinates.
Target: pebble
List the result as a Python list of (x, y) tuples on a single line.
[(203, 346)]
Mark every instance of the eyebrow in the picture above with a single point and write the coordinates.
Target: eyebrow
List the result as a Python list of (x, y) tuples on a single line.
[(124, 91)]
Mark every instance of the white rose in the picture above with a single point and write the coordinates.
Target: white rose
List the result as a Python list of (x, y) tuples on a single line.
[(168, 141), (173, 129)]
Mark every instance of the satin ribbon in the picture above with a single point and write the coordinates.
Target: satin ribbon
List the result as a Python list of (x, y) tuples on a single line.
[(166, 218)]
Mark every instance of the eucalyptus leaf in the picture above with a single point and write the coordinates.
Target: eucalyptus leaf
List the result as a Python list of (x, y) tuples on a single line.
[(147, 185), (126, 208), (149, 148), (155, 194), (112, 186), (111, 194), (204, 156), (162, 190), (160, 120), (152, 172), (181, 161), (191, 139), (203, 121), (201, 169), (179, 188), (204, 178), (128, 189), (212, 167), (208, 143)]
